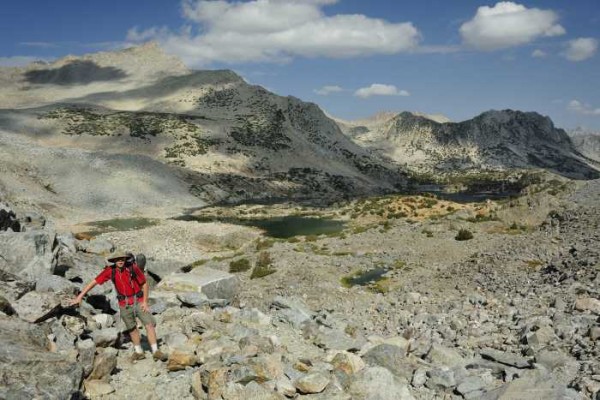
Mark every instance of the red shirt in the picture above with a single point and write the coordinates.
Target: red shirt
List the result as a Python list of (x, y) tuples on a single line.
[(123, 283)]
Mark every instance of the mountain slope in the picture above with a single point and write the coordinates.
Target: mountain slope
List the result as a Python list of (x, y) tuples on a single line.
[(492, 141), (230, 141)]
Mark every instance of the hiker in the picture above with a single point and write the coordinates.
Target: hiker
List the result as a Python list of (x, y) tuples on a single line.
[(132, 292)]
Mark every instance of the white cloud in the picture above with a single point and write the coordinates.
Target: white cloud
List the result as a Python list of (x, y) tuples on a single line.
[(276, 31), (328, 89), (580, 108), (508, 24), (17, 61), (581, 49), (378, 89), (537, 53)]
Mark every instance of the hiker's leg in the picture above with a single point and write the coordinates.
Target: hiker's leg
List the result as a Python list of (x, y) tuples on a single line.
[(135, 336), (151, 332)]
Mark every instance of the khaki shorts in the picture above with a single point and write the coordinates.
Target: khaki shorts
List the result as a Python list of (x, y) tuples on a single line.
[(129, 313)]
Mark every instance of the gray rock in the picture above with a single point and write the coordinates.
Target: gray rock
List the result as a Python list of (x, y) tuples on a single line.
[(12, 287), (213, 283), (313, 382), (377, 383), (65, 340), (105, 337), (104, 363), (192, 299), (28, 370), (419, 377), (588, 304), (175, 339), (440, 355), (471, 384), (87, 353), (29, 255), (440, 378), (333, 339), (535, 385), (391, 357), (98, 246), (31, 221), (67, 241), (251, 391), (104, 321), (505, 358), (38, 306), (96, 388), (595, 333), (54, 283), (292, 310)]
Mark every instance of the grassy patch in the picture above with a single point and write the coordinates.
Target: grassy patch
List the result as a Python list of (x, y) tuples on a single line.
[(464, 234), (241, 265), (263, 266)]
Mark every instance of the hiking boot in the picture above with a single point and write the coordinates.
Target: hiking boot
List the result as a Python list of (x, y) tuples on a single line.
[(137, 356), (160, 356)]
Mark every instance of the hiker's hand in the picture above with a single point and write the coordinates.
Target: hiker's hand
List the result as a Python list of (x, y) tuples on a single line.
[(144, 306), (75, 302)]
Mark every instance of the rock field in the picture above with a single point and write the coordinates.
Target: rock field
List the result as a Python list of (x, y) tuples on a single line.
[(513, 313)]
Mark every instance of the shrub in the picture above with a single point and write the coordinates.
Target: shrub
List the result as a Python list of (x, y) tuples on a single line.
[(241, 265), (263, 266), (464, 234), (264, 244)]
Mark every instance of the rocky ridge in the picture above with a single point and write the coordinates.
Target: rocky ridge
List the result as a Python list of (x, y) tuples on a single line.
[(492, 141)]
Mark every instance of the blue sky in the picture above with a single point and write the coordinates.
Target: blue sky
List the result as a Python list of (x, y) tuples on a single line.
[(352, 57)]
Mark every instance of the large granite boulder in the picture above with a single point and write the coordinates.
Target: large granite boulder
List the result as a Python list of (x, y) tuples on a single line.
[(38, 306), (28, 370), (29, 255), (213, 283), (12, 287)]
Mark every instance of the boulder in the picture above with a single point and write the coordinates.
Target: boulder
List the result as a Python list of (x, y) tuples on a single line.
[(213, 283), (97, 388), (588, 304), (505, 358), (534, 385), (87, 353), (31, 221), (29, 255), (440, 355), (55, 283), (292, 310), (28, 370), (313, 382), (348, 363), (104, 363), (179, 359), (12, 287), (38, 306), (251, 391), (98, 246), (105, 337), (192, 299), (391, 357), (378, 383)]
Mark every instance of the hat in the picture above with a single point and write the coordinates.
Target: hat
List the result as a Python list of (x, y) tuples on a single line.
[(117, 255)]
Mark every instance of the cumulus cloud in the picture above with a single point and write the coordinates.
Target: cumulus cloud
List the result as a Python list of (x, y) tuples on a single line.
[(378, 89), (508, 24), (328, 89), (584, 109), (537, 53), (581, 49), (17, 61), (276, 31)]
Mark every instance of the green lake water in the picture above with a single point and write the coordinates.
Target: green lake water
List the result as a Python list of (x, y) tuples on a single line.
[(280, 227)]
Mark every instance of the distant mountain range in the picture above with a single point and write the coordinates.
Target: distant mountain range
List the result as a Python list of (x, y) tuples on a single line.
[(492, 141), (229, 141)]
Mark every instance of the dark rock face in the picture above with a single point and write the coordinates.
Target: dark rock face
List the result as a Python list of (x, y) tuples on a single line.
[(77, 72), (8, 219), (28, 370)]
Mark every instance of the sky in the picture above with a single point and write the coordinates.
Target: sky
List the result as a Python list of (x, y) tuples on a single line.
[(352, 57)]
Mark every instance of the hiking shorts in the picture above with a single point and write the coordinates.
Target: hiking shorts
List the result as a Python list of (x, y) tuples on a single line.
[(129, 314)]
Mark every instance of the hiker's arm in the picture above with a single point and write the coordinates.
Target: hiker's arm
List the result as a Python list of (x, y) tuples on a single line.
[(86, 289), (145, 298)]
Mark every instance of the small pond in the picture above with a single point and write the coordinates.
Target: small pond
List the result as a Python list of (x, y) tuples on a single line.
[(364, 278), (468, 196), (280, 227)]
